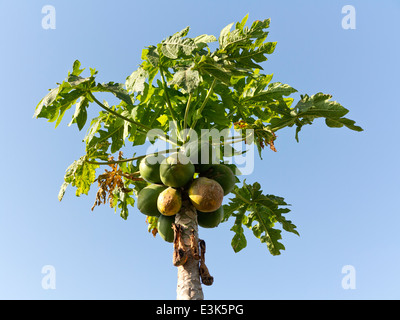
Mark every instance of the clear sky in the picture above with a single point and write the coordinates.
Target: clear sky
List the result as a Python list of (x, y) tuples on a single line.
[(343, 186)]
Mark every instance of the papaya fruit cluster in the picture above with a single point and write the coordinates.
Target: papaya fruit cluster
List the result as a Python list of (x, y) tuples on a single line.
[(184, 175)]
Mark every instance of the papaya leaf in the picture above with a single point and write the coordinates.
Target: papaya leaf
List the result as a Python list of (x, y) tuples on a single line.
[(95, 126), (263, 228), (79, 174), (224, 36), (135, 82), (122, 200), (321, 106), (259, 213), (202, 40), (251, 57), (188, 79), (46, 101), (151, 54), (208, 65), (80, 115), (176, 46), (76, 71), (216, 115), (239, 241), (65, 102), (54, 105), (275, 91), (241, 36), (115, 88), (310, 108), (77, 82), (338, 123), (115, 132)]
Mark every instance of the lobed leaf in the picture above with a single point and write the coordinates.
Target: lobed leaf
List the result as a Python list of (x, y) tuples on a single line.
[(338, 123), (115, 88), (188, 79), (79, 174), (135, 82), (176, 46), (259, 213), (203, 40), (80, 115)]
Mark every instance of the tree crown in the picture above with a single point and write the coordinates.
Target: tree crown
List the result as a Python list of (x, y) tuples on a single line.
[(182, 86)]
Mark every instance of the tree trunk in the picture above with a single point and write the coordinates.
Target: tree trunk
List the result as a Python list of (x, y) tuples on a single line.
[(189, 284)]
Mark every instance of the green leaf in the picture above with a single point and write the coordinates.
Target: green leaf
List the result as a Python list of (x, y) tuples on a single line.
[(338, 123), (275, 91), (123, 200), (46, 101), (202, 40), (116, 132), (310, 108), (77, 81), (176, 46), (242, 36), (106, 131), (75, 68), (207, 65), (263, 211), (54, 105), (320, 106), (63, 103), (239, 241), (95, 126), (264, 231), (151, 54), (80, 174), (249, 57), (80, 115), (115, 88), (63, 188), (135, 82), (187, 79), (214, 113), (242, 23), (163, 119), (224, 35)]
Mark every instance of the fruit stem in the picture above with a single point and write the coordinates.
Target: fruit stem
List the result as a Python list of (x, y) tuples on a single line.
[(166, 138), (235, 139), (199, 111), (187, 112), (117, 114), (129, 159), (168, 102)]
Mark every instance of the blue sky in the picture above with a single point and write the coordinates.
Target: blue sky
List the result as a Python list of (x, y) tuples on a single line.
[(343, 186)]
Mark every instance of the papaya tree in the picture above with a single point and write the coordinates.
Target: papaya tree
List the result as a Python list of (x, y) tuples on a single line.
[(195, 103)]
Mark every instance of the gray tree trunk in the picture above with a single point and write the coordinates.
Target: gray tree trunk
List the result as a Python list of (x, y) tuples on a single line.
[(189, 284)]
